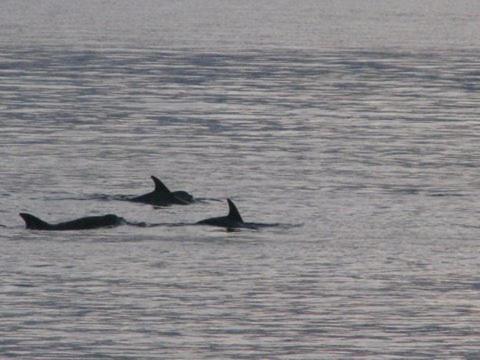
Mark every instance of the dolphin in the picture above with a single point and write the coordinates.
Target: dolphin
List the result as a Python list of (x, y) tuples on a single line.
[(162, 196), (90, 222), (231, 221)]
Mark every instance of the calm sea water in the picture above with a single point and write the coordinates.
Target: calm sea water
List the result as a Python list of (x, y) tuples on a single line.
[(352, 124)]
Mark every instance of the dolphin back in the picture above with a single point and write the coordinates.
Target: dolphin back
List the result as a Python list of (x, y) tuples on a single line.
[(34, 223), (162, 196), (90, 222), (183, 197), (232, 220)]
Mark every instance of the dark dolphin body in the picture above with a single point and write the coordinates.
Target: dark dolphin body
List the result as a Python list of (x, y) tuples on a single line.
[(90, 222), (162, 196), (232, 221)]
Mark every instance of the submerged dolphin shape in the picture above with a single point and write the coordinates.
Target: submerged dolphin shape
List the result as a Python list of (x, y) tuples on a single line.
[(231, 221), (162, 196), (90, 222)]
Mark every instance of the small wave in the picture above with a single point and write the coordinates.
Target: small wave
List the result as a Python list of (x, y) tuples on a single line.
[(118, 197), (247, 225), (468, 226), (441, 194)]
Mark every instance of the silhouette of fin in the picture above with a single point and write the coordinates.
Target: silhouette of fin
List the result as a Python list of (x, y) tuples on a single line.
[(233, 213), (33, 222), (159, 186)]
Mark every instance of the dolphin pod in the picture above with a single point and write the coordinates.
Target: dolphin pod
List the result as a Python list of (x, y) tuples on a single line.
[(160, 196)]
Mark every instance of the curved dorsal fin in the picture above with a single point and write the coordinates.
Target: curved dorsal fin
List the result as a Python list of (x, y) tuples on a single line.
[(233, 213), (32, 222), (159, 186)]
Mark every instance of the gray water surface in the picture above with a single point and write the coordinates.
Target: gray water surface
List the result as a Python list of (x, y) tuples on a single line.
[(354, 127)]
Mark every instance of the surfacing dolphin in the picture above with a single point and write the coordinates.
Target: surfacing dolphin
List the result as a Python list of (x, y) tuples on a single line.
[(162, 196), (232, 221), (90, 222)]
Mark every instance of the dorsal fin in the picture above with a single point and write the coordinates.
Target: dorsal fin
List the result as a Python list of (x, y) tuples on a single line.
[(233, 213), (32, 222), (159, 186)]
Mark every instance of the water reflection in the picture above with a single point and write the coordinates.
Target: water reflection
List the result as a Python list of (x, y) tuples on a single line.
[(374, 153)]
